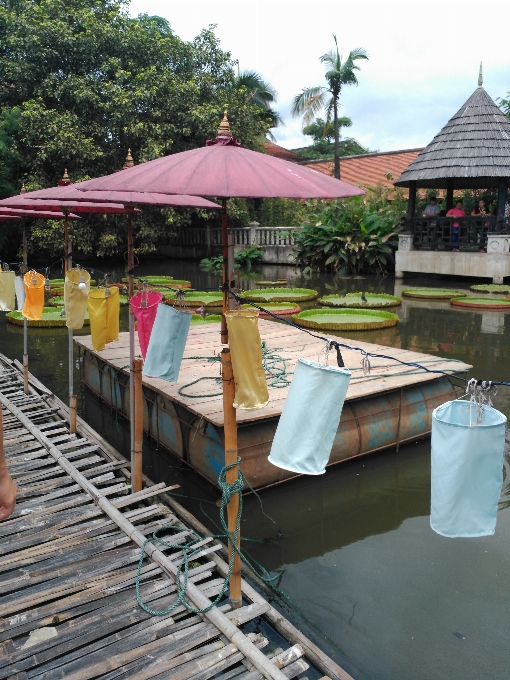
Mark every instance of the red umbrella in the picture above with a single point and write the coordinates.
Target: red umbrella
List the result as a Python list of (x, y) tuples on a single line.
[(36, 214), (72, 195), (224, 169)]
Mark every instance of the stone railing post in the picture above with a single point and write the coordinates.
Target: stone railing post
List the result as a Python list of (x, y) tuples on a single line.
[(253, 232)]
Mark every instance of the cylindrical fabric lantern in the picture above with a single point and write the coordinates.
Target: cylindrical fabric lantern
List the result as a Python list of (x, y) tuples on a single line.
[(19, 286), (167, 343), (310, 418), (7, 292), (467, 469), (76, 293), (34, 296), (104, 313), (145, 308), (246, 354)]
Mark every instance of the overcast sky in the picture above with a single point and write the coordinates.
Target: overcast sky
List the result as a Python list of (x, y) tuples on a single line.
[(424, 57)]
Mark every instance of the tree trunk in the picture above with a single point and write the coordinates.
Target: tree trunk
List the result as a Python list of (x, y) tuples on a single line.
[(337, 136)]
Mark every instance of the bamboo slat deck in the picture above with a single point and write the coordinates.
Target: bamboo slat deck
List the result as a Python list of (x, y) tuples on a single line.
[(291, 344), (67, 569)]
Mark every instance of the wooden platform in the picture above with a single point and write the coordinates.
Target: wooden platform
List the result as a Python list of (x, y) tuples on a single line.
[(291, 344), (67, 567)]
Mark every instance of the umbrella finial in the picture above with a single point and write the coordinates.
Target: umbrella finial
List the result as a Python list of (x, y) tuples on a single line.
[(224, 129), (129, 162), (65, 181), (480, 76), (23, 189)]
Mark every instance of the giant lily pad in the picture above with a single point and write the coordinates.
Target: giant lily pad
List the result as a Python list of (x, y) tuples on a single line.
[(277, 308), (281, 295), (433, 293), (345, 319), (374, 300), (197, 298), (50, 319), (481, 303), (197, 319), (490, 288)]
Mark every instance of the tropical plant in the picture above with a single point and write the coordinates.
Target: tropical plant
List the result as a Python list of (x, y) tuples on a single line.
[(312, 100), (356, 235), (244, 259)]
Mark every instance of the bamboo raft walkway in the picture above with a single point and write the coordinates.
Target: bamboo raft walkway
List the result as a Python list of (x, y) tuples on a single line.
[(69, 556)]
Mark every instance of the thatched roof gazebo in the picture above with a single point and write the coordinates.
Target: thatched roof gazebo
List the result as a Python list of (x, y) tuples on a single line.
[(472, 151)]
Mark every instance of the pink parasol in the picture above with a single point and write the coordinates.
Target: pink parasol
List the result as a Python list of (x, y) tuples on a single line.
[(224, 169), (36, 214), (26, 202), (70, 195)]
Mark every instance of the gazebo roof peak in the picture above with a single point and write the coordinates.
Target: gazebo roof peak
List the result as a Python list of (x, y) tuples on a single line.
[(472, 149)]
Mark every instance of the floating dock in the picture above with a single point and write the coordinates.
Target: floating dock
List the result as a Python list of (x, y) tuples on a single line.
[(391, 405), (69, 557)]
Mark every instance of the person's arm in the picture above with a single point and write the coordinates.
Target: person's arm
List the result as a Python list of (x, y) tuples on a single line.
[(8, 489)]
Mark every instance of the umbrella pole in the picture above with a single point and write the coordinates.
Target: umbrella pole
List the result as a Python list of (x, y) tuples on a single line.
[(229, 424), (224, 241), (132, 414), (66, 242), (72, 396), (231, 455), (25, 327)]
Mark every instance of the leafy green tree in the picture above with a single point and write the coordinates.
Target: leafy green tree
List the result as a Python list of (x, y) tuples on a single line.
[(326, 98), (88, 81), (321, 130)]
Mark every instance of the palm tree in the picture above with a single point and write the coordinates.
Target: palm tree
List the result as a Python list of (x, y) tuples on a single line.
[(312, 100), (261, 94)]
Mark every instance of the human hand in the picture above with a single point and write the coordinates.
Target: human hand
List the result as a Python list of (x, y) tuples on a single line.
[(8, 493)]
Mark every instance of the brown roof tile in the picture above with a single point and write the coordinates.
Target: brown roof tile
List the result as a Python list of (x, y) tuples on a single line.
[(368, 170), (279, 152)]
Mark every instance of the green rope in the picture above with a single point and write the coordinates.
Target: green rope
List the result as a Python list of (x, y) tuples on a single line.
[(275, 367), (190, 552)]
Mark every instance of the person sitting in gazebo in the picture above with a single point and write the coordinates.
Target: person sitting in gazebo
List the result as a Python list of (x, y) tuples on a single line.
[(481, 210), (456, 212), (432, 209)]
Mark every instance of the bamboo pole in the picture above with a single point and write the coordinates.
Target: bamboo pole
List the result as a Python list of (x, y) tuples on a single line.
[(72, 396), (25, 327), (67, 244), (132, 415), (194, 594), (136, 477), (231, 455), (225, 272)]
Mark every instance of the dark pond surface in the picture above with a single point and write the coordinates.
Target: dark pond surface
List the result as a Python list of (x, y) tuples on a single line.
[(367, 578)]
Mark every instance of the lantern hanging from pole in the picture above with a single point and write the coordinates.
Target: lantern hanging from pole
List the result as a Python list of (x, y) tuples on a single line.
[(19, 287), (76, 293), (104, 311), (34, 296), (7, 291), (145, 307), (246, 352), (167, 343), (468, 440), (309, 421)]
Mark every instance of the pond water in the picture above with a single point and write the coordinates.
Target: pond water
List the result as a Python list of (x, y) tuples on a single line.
[(367, 578)]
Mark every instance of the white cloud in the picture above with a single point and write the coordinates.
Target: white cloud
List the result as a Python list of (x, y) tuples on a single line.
[(423, 64)]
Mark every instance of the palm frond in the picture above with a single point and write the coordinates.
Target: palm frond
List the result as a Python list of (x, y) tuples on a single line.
[(300, 101), (358, 53)]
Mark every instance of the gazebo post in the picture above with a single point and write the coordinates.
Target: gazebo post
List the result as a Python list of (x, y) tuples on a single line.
[(502, 193), (449, 194), (411, 205)]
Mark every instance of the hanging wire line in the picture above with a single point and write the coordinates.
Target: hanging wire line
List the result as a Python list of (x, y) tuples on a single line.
[(340, 345)]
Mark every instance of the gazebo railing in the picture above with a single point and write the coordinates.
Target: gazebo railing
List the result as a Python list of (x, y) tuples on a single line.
[(448, 233)]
